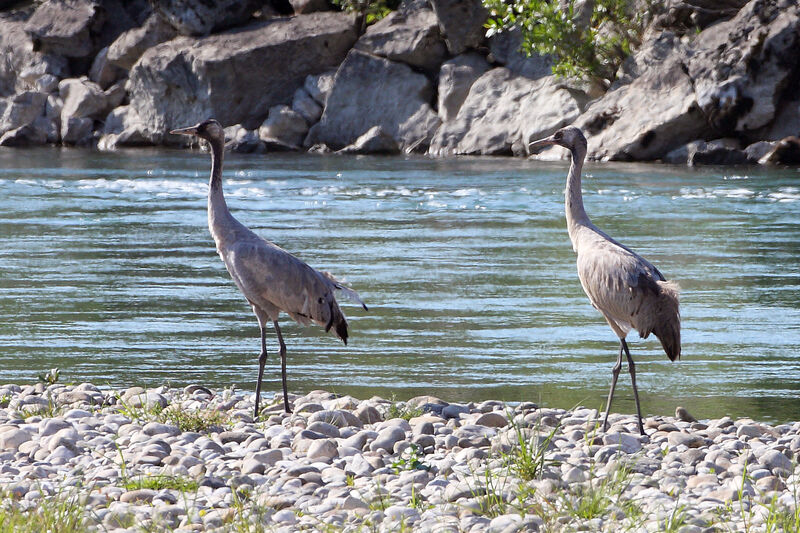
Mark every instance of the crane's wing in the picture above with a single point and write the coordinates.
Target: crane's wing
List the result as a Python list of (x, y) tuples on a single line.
[(623, 286), (271, 277)]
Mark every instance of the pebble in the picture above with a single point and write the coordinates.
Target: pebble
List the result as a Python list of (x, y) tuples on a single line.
[(336, 464)]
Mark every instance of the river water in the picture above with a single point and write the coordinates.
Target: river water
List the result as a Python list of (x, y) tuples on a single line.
[(107, 271)]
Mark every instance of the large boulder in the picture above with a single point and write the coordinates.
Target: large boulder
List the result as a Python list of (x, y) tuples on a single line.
[(371, 91), (408, 35), (82, 98), (238, 75), (130, 45), (729, 81), (201, 17), (34, 133), (284, 127), (461, 23), (17, 51), (503, 112), (77, 28), (645, 119), (455, 80), (21, 110), (741, 67), (123, 127), (505, 49)]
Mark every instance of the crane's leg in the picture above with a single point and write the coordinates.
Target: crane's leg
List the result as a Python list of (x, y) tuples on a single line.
[(614, 376), (632, 370), (261, 360), (283, 366)]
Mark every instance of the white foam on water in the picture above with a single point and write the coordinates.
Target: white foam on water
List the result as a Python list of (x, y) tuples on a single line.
[(460, 193)]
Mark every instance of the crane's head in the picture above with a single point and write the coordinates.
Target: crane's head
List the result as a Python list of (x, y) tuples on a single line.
[(210, 130), (570, 138)]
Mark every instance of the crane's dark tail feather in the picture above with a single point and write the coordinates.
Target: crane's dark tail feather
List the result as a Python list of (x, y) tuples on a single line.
[(338, 322), (668, 323)]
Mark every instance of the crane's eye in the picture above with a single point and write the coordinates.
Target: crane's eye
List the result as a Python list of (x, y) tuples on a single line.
[(558, 135)]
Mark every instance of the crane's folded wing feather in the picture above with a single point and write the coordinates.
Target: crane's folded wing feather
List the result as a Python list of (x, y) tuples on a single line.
[(624, 286), (268, 274)]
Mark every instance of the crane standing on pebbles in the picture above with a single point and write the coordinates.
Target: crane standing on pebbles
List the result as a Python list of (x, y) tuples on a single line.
[(626, 288), (272, 279)]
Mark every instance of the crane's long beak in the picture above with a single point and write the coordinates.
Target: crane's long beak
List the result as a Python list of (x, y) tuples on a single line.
[(547, 141), (191, 130)]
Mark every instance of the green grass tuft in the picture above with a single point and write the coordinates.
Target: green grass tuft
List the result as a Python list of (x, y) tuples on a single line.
[(59, 513), (198, 421)]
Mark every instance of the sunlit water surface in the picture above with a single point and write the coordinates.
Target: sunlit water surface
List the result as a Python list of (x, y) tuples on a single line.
[(107, 271)]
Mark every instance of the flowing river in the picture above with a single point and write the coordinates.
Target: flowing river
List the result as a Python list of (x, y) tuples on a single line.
[(108, 272)]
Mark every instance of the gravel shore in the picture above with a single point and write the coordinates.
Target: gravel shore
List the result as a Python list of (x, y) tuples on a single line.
[(193, 459)]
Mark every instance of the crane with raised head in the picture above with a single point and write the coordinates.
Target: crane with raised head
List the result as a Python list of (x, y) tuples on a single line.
[(625, 287), (272, 279)]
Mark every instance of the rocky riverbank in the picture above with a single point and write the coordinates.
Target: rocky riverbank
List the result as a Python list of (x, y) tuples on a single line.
[(193, 459), (712, 82)]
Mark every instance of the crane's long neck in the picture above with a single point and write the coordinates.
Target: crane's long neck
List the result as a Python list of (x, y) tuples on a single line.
[(573, 198), (218, 213)]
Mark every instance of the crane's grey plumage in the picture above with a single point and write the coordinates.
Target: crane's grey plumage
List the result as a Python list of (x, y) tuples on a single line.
[(626, 288), (272, 279)]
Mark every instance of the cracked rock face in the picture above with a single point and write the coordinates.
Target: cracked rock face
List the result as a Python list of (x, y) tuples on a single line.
[(728, 82), (238, 75)]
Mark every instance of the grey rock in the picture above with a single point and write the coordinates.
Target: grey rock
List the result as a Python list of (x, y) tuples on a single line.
[(186, 80), (785, 152), (757, 150), (22, 65), (138, 496), (370, 91), (492, 420), (505, 48), (374, 141), (157, 428), (368, 414), (774, 459), (677, 438), (130, 45), (196, 17), (305, 106), (13, 438), (387, 438), (102, 72), (455, 79), (503, 112), (77, 28), (407, 36), (338, 417), (627, 443), (309, 6), (319, 86), (65, 27), (285, 126), (46, 83), (749, 430), (324, 428), (454, 410), (722, 81), (21, 109), (461, 23), (76, 131), (37, 132), (82, 98), (322, 450)]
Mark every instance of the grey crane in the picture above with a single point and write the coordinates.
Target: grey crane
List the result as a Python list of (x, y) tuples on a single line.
[(272, 279), (625, 287)]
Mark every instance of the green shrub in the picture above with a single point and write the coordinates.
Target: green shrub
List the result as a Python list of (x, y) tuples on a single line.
[(592, 51)]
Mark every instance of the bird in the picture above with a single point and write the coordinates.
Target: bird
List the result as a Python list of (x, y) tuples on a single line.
[(625, 287), (271, 279)]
